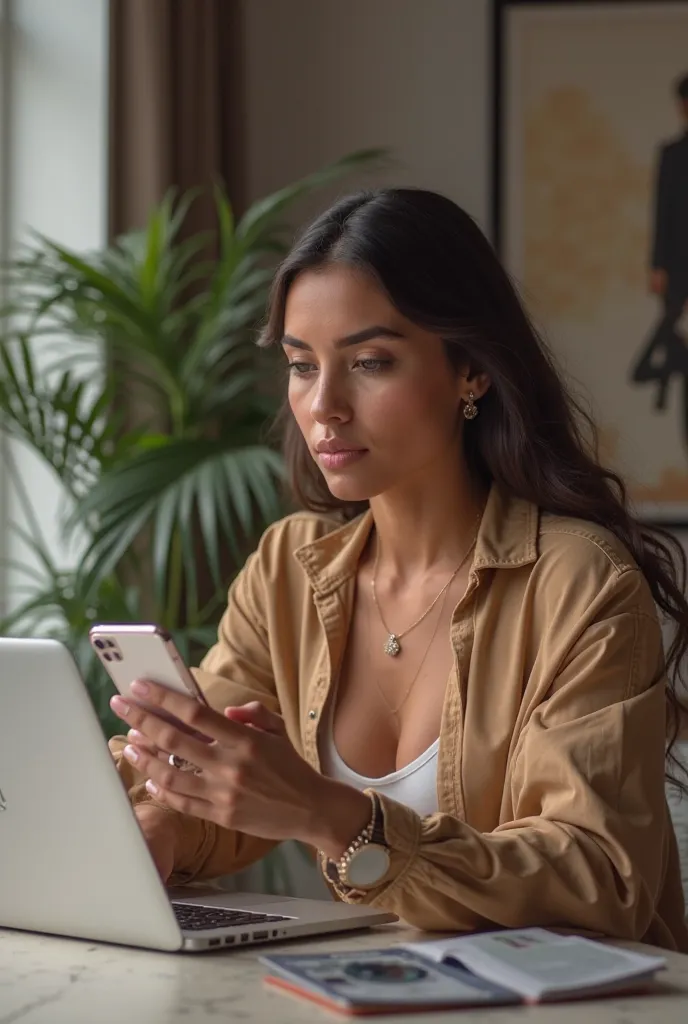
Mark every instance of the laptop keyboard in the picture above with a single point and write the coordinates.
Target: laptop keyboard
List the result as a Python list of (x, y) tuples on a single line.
[(192, 917)]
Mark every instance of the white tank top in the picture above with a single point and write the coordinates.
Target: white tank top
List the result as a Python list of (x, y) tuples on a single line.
[(415, 785)]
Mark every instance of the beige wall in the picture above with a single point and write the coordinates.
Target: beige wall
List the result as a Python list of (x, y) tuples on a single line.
[(325, 77)]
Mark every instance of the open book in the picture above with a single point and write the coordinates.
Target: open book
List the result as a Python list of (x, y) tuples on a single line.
[(528, 965)]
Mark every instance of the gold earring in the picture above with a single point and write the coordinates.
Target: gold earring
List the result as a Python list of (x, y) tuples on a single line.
[(470, 409)]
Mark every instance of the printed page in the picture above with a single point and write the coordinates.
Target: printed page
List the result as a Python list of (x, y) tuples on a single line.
[(541, 964), (452, 945)]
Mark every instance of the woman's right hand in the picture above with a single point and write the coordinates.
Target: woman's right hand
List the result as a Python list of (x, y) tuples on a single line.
[(158, 831)]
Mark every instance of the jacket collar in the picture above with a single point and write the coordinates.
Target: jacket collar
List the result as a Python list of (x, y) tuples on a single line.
[(507, 539)]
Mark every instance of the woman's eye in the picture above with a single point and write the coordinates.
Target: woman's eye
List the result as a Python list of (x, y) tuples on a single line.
[(373, 365), (299, 369)]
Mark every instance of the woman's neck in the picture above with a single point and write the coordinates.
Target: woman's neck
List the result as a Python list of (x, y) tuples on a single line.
[(420, 530)]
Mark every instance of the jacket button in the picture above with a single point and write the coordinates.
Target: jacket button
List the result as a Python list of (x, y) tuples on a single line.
[(312, 714)]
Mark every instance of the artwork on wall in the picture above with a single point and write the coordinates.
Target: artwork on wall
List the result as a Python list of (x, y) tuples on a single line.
[(591, 217)]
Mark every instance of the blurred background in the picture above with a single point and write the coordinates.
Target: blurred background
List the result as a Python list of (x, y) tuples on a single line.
[(157, 158)]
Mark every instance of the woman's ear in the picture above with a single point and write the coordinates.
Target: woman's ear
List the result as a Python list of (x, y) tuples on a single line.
[(477, 383)]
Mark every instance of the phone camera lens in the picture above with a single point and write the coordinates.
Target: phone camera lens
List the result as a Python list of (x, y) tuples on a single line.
[(116, 656), (100, 645), (108, 657)]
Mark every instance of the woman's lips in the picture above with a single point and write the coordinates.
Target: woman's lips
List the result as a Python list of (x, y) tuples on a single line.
[(342, 459)]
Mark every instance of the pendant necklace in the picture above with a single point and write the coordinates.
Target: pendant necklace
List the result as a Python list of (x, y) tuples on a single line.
[(392, 645)]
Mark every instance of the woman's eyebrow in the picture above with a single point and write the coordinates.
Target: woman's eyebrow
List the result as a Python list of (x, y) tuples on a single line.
[(378, 331)]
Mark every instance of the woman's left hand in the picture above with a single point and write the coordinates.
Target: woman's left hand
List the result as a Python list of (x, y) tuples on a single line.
[(250, 777)]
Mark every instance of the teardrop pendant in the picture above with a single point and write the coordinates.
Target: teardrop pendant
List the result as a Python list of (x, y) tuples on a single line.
[(392, 646)]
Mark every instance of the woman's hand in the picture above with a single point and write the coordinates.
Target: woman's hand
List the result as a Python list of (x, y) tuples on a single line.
[(250, 777)]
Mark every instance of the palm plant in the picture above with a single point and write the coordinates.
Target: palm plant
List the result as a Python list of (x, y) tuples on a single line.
[(195, 478)]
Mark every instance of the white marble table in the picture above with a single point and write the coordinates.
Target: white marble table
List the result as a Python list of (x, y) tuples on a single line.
[(45, 980)]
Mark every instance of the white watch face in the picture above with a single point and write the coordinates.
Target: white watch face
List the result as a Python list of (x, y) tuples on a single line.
[(367, 866)]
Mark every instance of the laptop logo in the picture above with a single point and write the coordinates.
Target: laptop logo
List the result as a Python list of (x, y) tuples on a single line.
[(3, 802)]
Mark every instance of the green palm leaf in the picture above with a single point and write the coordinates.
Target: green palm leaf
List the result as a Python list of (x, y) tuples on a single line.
[(63, 420), (226, 492)]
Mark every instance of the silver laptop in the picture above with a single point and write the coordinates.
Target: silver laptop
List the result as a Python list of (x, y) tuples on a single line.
[(74, 861)]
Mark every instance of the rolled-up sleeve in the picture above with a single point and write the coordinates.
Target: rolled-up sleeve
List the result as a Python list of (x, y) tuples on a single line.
[(585, 846)]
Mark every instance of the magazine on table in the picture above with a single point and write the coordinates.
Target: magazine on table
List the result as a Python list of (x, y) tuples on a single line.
[(528, 965)]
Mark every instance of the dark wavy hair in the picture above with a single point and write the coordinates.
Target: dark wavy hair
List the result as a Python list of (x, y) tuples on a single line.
[(532, 437)]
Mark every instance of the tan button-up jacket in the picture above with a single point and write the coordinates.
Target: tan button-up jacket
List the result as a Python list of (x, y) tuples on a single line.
[(551, 758)]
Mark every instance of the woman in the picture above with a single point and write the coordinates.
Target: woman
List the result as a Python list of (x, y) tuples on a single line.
[(447, 674)]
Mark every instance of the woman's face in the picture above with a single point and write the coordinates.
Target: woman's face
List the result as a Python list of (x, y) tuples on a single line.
[(373, 394)]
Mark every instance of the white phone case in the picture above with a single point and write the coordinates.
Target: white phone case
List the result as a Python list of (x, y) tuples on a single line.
[(128, 652)]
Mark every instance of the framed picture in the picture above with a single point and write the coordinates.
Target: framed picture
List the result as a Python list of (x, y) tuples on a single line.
[(591, 217)]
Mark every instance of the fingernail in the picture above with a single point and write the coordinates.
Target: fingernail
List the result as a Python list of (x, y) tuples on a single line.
[(152, 788), (134, 736), (139, 688), (131, 753), (119, 706)]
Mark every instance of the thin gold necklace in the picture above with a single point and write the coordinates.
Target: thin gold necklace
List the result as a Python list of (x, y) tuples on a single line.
[(392, 645), (395, 710)]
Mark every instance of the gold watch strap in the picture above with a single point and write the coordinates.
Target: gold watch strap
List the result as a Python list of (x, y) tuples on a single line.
[(374, 832)]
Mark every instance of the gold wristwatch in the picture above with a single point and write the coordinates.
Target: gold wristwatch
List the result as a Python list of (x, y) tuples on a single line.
[(366, 860)]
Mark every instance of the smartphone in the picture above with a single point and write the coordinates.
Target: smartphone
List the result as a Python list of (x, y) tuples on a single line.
[(142, 651)]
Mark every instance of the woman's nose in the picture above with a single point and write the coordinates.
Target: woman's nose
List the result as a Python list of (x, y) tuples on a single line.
[(330, 401)]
